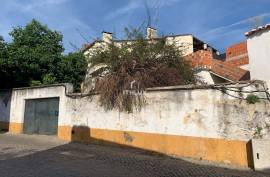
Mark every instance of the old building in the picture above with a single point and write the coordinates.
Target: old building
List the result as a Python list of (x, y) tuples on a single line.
[(211, 67), (187, 42), (229, 67)]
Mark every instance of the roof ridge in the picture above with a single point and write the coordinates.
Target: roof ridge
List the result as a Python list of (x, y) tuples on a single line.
[(259, 28)]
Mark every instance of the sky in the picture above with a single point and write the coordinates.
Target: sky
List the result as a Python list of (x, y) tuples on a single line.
[(219, 23)]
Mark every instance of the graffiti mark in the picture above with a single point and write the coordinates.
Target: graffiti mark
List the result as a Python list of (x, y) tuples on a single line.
[(128, 138)]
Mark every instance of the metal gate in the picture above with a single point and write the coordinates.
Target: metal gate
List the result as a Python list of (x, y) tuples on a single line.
[(41, 116)]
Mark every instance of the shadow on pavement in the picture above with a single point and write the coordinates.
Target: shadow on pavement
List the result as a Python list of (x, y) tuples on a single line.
[(91, 159)]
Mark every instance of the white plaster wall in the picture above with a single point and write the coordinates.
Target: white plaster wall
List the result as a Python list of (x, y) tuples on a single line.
[(259, 56), (205, 77), (200, 113), (261, 155), (184, 43), (20, 95)]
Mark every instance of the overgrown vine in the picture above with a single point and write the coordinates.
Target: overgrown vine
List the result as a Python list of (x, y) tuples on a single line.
[(134, 65)]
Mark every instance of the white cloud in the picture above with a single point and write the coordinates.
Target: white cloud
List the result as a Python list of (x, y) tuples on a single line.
[(40, 3), (135, 4), (132, 5), (166, 2), (224, 29)]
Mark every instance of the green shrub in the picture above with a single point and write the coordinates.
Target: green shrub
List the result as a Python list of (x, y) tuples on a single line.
[(252, 99), (48, 79), (34, 83), (258, 132)]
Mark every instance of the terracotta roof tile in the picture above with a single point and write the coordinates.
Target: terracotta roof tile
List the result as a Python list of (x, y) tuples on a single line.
[(227, 70)]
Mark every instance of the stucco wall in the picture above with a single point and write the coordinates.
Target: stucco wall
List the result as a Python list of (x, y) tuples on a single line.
[(259, 55), (184, 43), (261, 154), (197, 122), (205, 77), (200, 113), (188, 112), (20, 95)]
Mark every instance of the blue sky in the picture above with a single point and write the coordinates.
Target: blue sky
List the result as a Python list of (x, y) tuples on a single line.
[(218, 22)]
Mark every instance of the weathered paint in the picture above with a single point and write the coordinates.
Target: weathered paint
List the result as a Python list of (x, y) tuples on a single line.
[(219, 150), (218, 123), (41, 116), (198, 113)]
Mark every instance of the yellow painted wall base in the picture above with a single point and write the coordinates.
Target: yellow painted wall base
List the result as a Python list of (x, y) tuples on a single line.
[(15, 128), (218, 150), (65, 132)]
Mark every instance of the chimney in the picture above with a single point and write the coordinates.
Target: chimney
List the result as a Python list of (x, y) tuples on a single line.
[(107, 36), (151, 33)]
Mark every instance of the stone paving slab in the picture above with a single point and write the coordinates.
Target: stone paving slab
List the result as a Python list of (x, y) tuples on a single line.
[(42, 156)]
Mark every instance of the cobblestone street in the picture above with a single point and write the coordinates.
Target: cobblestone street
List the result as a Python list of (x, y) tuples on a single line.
[(41, 156)]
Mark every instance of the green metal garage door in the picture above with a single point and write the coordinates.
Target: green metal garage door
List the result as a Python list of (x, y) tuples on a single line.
[(41, 116)]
